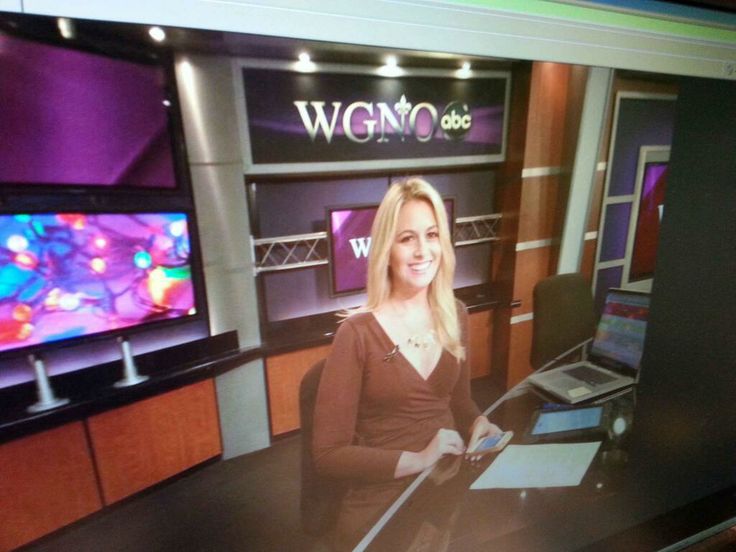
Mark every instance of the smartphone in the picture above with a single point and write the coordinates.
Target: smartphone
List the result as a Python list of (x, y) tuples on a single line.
[(494, 443)]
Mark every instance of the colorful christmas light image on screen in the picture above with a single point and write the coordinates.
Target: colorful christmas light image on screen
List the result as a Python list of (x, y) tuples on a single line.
[(67, 275)]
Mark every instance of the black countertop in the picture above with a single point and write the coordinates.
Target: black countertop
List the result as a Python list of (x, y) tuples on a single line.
[(91, 390)]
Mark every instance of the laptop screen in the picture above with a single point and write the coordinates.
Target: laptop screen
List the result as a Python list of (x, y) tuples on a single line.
[(621, 329)]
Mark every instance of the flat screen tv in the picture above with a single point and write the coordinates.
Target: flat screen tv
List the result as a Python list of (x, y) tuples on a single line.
[(67, 276), (348, 236), (71, 117)]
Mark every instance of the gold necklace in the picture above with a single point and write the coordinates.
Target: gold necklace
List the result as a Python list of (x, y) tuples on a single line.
[(420, 340), (423, 340)]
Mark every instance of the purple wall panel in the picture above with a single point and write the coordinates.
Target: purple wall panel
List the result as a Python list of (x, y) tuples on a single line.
[(615, 230), (640, 123), (607, 278)]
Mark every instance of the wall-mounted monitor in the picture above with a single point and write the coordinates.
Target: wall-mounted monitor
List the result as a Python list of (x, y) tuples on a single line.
[(646, 217), (69, 276), (71, 117), (348, 236)]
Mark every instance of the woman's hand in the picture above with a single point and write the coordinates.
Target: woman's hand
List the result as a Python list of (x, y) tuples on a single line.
[(445, 441), (481, 429)]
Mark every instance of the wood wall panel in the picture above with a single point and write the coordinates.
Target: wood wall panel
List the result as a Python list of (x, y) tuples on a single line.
[(47, 480), (532, 265), (480, 334), (547, 115), (521, 346), (543, 207), (587, 264), (146, 442), (283, 375), (596, 202), (507, 197)]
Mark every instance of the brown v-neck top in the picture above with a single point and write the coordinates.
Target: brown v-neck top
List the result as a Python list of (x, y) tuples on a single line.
[(372, 405)]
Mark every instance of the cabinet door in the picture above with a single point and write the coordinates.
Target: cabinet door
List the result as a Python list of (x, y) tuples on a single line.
[(47, 480), (144, 443), (284, 375)]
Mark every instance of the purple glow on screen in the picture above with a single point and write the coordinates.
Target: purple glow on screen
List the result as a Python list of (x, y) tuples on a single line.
[(651, 205), (350, 241), (69, 275), (350, 231), (76, 118)]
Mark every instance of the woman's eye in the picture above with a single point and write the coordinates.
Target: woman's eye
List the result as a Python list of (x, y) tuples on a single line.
[(406, 239), (433, 235)]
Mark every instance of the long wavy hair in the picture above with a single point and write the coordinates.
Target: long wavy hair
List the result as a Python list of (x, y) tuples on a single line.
[(383, 234)]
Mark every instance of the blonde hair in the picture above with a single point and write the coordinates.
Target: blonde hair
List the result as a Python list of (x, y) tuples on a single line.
[(383, 234)]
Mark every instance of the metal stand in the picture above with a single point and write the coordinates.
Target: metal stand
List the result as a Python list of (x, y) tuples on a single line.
[(46, 398), (131, 375)]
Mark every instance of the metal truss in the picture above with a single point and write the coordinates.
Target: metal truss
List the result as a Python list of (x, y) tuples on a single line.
[(305, 250), (290, 252), (480, 229)]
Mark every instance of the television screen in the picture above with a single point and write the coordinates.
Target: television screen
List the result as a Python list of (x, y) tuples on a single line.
[(70, 275), (651, 207), (348, 232), (71, 117)]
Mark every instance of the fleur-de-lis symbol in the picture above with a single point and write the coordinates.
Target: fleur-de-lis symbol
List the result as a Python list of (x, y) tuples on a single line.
[(402, 107)]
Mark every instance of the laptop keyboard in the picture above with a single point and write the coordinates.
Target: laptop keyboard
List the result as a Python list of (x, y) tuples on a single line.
[(589, 376)]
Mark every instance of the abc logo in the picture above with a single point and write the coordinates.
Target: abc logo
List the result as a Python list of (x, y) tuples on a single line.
[(456, 120)]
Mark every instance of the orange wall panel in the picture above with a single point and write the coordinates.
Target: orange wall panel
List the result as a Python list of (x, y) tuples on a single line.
[(284, 374), (547, 115), (596, 201), (144, 443), (521, 346), (543, 207), (587, 262), (480, 332), (47, 480), (532, 265)]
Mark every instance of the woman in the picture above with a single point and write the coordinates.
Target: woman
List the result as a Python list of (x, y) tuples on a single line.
[(395, 392)]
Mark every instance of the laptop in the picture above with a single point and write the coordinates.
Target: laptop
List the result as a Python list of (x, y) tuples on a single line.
[(614, 357)]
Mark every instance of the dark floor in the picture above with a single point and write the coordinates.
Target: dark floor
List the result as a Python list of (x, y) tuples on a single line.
[(249, 503)]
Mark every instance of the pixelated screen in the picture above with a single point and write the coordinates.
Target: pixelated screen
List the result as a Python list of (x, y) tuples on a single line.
[(68, 275), (622, 327)]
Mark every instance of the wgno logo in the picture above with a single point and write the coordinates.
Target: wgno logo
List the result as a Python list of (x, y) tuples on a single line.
[(373, 119)]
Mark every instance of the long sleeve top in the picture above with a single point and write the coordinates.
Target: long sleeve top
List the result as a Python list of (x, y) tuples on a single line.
[(373, 405)]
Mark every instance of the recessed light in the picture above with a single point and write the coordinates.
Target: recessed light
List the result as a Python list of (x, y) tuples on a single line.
[(66, 27), (464, 72), (157, 34), (391, 68), (305, 64)]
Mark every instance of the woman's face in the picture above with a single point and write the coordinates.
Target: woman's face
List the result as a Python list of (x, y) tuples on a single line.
[(416, 252)]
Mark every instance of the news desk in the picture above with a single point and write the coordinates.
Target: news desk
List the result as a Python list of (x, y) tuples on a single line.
[(629, 498)]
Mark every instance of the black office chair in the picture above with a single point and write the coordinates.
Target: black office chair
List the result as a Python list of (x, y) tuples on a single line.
[(564, 316), (320, 496)]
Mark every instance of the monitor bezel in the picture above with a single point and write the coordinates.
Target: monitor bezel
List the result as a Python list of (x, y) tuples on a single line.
[(29, 29)]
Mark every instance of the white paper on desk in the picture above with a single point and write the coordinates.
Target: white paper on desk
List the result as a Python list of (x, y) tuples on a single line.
[(530, 466)]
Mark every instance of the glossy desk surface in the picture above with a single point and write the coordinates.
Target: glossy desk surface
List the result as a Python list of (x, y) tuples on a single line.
[(629, 498)]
